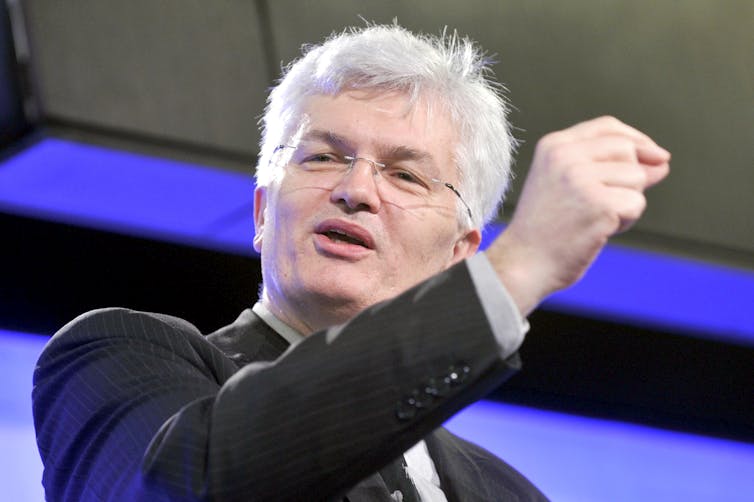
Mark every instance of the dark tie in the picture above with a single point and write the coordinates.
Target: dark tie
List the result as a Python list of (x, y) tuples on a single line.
[(396, 478)]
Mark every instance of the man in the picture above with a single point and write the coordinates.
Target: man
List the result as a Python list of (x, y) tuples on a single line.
[(383, 155)]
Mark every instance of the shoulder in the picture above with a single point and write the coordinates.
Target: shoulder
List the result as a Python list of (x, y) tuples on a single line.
[(122, 320), (120, 323), (104, 385), (117, 333)]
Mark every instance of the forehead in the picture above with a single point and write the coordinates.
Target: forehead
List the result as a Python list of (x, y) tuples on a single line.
[(375, 121)]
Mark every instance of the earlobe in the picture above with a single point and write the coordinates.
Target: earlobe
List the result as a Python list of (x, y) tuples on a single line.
[(466, 245), (260, 206)]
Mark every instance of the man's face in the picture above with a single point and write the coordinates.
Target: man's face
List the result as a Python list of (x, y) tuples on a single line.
[(329, 250)]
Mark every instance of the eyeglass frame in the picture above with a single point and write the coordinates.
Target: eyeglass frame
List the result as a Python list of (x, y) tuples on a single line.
[(375, 165)]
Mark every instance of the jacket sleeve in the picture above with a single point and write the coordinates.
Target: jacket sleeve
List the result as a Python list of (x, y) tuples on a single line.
[(135, 406)]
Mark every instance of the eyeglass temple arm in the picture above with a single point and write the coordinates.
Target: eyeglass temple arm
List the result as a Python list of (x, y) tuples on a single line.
[(458, 194)]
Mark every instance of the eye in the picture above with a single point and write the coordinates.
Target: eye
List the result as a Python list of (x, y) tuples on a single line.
[(322, 157), (406, 176)]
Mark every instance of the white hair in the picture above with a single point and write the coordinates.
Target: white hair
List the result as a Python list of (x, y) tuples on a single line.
[(450, 69)]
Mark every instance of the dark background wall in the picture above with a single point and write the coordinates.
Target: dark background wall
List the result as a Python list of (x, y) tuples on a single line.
[(13, 122)]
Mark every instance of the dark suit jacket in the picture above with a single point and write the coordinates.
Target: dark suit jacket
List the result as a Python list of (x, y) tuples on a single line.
[(137, 406)]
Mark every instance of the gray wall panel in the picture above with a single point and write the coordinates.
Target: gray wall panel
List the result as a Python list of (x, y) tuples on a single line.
[(177, 69)]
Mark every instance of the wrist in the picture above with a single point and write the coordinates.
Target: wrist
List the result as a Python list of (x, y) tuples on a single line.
[(522, 270)]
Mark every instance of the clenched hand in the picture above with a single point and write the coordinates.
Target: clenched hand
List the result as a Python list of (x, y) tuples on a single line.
[(586, 183)]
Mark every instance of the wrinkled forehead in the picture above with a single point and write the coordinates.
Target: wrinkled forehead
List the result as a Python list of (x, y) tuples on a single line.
[(424, 109)]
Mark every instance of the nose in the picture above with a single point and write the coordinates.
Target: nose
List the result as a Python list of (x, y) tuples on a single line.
[(357, 189)]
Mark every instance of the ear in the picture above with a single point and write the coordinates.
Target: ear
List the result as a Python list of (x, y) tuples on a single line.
[(466, 245), (260, 206)]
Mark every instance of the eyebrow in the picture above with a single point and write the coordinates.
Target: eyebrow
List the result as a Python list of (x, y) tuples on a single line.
[(385, 152), (327, 137)]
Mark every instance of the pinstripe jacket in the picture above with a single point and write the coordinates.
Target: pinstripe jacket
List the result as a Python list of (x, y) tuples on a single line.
[(137, 406)]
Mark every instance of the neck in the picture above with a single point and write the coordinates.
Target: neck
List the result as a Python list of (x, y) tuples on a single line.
[(281, 313), (307, 315)]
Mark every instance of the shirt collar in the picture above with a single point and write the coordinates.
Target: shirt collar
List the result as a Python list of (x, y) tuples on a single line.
[(291, 335)]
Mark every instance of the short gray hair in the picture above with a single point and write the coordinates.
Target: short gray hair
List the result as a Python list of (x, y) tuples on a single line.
[(390, 58)]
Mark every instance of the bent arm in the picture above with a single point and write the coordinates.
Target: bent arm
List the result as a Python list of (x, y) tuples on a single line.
[(132, 405)]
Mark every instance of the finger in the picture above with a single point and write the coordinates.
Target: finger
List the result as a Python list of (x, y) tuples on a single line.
[(561, 149), (608, 148), (610, 126), (585, 151), (652, 154), (607, 125), (627, 204), (655, 173), (620, 174)]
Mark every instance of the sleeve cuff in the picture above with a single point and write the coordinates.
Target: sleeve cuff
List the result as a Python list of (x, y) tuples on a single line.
[(507, 324)]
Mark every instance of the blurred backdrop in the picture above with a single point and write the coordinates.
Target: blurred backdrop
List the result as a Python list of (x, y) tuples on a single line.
[(128, 138)]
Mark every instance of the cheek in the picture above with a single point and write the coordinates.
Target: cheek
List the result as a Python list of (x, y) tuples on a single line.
[(286, 229), (425, 252)]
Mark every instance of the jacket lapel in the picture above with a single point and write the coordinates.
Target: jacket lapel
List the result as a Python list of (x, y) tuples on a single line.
[(457, 472), (249, 339), (469, 473), (369, 489)]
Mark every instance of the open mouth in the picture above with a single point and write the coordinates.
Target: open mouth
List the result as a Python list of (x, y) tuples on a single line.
[(340, 236), (344, 232)]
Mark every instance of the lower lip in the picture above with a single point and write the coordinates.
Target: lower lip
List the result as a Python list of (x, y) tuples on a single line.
[(340, 249)]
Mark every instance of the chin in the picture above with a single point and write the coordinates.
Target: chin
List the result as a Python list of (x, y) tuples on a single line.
[(338, 297), (351, 295)]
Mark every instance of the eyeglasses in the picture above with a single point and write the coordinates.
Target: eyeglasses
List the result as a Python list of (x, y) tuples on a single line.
[(405, 181)]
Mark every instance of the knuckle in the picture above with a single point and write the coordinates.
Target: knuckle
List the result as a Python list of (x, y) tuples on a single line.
[(548, 142), (610, 120), (560, 155), (557, 158), (634, 206)]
